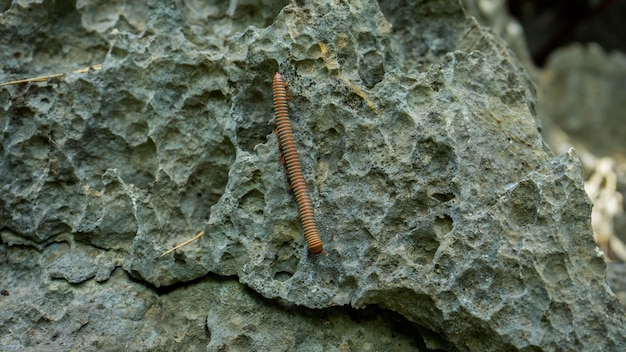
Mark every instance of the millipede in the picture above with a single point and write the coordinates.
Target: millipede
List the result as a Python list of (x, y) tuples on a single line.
[(291, 161)]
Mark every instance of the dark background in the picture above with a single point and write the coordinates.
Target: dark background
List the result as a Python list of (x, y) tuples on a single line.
[(550, 24)]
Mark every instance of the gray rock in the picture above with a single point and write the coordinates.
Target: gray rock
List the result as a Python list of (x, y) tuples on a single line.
[(435, 194), (211, 313), (580, 102), (495, 14), (584, 97)]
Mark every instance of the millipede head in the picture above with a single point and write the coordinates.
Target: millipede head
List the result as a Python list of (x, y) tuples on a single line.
[(279, 78)]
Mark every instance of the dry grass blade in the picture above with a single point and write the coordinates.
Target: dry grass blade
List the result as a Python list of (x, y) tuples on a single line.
[(183, 244), (57, 75)]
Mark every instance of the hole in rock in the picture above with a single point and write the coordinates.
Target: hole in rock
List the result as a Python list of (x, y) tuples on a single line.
[(444, 197)]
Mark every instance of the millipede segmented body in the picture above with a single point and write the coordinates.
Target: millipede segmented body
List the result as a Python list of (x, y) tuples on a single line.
[(291, 160)]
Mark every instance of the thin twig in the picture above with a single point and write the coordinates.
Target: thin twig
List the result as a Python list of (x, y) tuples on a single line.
[(56, 75), (183, 244)]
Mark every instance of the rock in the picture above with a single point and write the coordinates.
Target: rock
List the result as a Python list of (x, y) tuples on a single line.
[(435, 194), (583, 96), (570, 97), (574, 105), (495, 14), (39, 313)]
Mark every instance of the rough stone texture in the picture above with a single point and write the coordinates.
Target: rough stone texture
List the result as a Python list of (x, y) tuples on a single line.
[(435, 194), (583, 95), (581, 103), (495, 14), (120, 314)]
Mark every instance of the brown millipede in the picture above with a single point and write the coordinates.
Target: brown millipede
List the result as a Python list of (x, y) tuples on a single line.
[(291, 160)]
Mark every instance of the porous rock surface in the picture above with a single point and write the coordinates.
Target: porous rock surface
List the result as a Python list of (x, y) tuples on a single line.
[(444, 216), (581, 104), (584, 97)]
